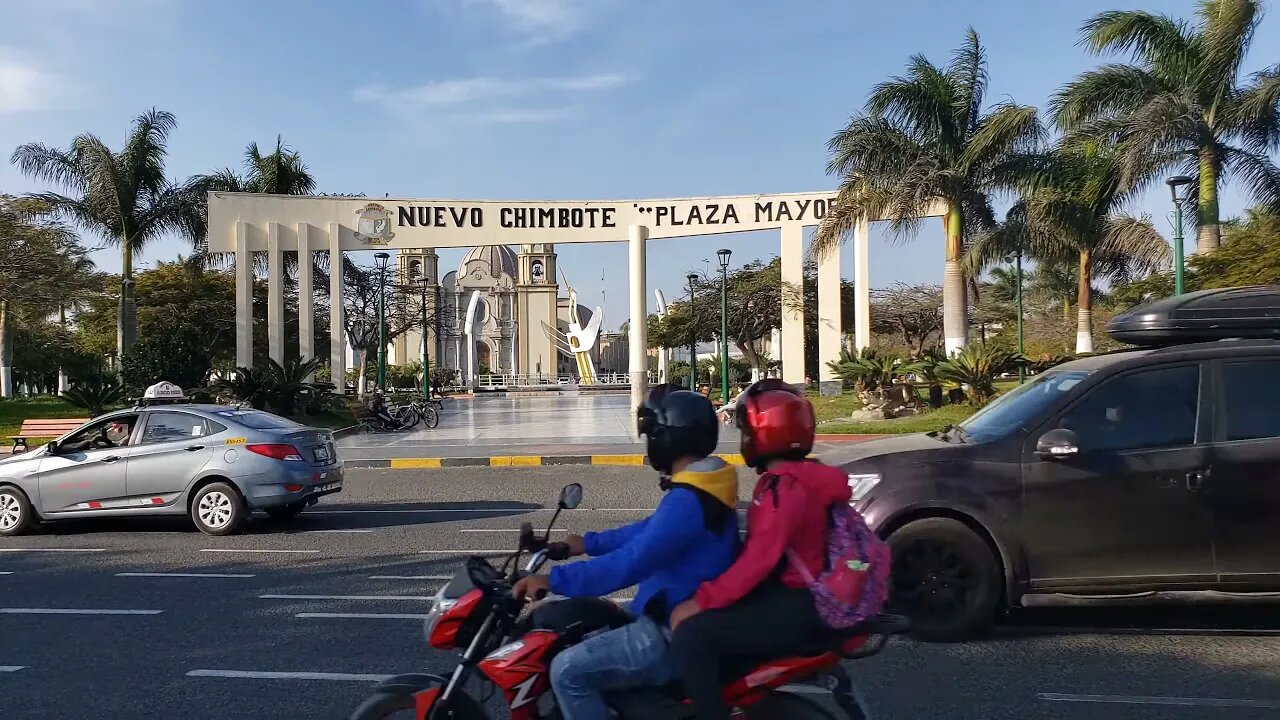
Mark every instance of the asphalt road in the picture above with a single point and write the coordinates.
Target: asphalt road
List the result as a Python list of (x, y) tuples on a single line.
[(338, 591)]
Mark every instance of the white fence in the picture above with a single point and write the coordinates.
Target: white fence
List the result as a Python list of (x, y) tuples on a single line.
[(500, 381)]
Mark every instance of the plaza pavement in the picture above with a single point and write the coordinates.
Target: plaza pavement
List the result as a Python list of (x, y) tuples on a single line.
[(554, 429)]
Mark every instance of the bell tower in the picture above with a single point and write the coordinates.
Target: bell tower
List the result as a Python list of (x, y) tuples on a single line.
[(536, 293), (415, 266)]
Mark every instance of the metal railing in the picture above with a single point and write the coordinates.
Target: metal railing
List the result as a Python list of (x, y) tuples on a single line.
[(498, 381)]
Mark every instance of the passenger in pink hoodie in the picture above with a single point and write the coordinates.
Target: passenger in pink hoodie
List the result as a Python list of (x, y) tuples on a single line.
[(760, 607)]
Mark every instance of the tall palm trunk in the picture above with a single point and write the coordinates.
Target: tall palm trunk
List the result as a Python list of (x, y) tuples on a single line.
[(955, 316), (6, 351), (1209, 234), (1084, 304), (127, 318)]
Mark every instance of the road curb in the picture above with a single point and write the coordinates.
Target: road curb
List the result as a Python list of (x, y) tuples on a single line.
[(515, 461)]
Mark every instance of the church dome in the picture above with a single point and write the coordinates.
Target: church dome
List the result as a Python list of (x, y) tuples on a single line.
[(500, 259)]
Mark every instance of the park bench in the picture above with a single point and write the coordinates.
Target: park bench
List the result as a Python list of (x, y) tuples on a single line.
[(43, 428)]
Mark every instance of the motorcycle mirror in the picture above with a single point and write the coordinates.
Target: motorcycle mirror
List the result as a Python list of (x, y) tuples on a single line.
[(526, 535), (571, 496)]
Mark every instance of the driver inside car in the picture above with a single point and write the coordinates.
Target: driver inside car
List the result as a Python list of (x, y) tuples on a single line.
[(691, 537)]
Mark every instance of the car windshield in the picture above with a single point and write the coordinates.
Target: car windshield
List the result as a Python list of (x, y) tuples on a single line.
[(258, 420), (1020, 406)]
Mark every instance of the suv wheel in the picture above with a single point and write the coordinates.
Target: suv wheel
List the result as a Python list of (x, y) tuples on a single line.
[(217, 509), (16, 515), (945, 579)]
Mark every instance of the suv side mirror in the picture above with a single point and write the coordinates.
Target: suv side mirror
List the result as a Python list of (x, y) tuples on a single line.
[(1058, 444), (571, 496)]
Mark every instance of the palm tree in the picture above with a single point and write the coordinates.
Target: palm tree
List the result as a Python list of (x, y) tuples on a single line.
[(1180, 106), (923, 140), (1074, 217), (122, 196)]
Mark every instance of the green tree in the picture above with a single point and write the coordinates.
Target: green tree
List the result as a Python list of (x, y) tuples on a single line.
[(924, 140), (1181, 105), (1075, 217), (124, 196), (176, 354)]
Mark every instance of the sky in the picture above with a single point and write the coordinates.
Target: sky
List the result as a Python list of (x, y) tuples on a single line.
[(528, 99)]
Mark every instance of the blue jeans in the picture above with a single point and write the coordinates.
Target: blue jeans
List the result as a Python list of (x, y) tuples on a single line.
[(632, 656)]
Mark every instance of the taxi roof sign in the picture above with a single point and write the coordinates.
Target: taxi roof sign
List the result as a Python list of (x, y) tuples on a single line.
[(164, 391)]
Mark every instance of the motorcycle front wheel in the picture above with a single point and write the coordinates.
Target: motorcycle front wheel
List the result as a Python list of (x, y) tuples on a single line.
[(787, 706), (400, 706)]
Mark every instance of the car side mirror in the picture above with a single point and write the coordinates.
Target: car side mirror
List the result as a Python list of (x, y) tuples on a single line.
[(571, 496), (51, 447), (1058, 444)]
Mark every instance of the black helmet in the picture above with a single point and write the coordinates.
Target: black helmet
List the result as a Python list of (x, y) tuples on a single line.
[(677, 423)]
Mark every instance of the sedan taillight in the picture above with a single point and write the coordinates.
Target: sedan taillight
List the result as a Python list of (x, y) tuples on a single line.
[(278, 451)]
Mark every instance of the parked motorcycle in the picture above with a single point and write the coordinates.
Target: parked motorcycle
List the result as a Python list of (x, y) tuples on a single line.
[(512, 644)]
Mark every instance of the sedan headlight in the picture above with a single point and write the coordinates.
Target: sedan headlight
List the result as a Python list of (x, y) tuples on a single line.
[(861, 484)]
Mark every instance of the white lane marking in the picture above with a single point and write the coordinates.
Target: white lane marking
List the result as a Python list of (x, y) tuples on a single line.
[(66, 550), (234, 550), (11, 668), (9, 572), (503, 530), (268, 675), (472, 511), (411, 577), (315, 532), (345, 597), (182, 575), (482, 553), (363, 616), (1155, 700), (74, 611)]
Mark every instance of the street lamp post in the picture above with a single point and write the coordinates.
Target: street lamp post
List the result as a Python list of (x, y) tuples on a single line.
[(723, 255), (1175, 183), (382, 259), (693, 335)]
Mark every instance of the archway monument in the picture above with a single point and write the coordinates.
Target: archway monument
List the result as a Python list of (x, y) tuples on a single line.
[(242, 223)]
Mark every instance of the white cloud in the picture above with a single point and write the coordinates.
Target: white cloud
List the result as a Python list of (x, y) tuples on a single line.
[(490, 99), (543, 20), (24, 86)]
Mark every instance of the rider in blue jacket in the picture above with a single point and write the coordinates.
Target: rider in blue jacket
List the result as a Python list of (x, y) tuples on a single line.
[(691, 538)]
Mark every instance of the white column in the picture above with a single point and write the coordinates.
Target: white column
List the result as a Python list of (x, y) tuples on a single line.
[(861, 285), (275, 294), (337, 323), (244, 298), (637, 266), (792, 315), (306, 296), (829, 319)]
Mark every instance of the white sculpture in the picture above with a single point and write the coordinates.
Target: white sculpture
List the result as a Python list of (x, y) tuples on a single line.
[(469, 330), (579, 341)]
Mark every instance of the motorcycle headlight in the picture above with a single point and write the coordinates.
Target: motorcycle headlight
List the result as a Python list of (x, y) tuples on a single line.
[(861, 484), (439, 606)]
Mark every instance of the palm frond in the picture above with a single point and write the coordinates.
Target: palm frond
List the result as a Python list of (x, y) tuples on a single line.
[(1130, 248), (1228, 29), (968, 72), (1155, 40), (49, 164), (1108, 91), (1255, 114), (1257, 171), (921, 104), (1008, 129)]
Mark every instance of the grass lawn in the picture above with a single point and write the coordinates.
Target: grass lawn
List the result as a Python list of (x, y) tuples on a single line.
[(835, 406), (929, 420)]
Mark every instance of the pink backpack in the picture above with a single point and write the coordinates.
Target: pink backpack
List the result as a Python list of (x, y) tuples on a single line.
[(855, 585)]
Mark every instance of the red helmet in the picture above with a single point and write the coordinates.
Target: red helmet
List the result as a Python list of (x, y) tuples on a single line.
[(776, 421)]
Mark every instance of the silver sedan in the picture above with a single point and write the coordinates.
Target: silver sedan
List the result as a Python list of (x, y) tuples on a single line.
[(214, 463)]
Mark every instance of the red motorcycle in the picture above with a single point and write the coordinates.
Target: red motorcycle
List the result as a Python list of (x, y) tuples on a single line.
[(512, 644)]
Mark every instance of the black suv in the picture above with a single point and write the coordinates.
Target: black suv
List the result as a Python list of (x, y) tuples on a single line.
[(1144, 471)]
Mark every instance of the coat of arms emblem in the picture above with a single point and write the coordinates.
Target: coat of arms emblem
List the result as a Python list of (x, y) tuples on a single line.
[(373, 225)]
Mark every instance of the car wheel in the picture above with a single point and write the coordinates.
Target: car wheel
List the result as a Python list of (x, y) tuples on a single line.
[(217, 509), (286, 512), (946, 579), (16, 514)]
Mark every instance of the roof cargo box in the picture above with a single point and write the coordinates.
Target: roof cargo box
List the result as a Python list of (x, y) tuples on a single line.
[(1243, 312)]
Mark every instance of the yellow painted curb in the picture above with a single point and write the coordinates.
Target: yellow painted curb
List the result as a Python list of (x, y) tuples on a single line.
[(617, 460), (406, 463), (733, 459), (515, 461)]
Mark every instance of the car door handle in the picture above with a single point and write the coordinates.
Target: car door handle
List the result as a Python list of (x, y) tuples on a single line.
[(110, 458), (1168, 482), (193, 448), (1196, 478)]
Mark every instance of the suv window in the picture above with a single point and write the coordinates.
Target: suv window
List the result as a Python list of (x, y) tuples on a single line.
[(171, 427), (111, 432), (1140, 410), (1024, 405), (1251, 399)]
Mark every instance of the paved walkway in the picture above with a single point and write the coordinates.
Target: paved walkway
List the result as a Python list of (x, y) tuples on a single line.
[(581, 425)]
